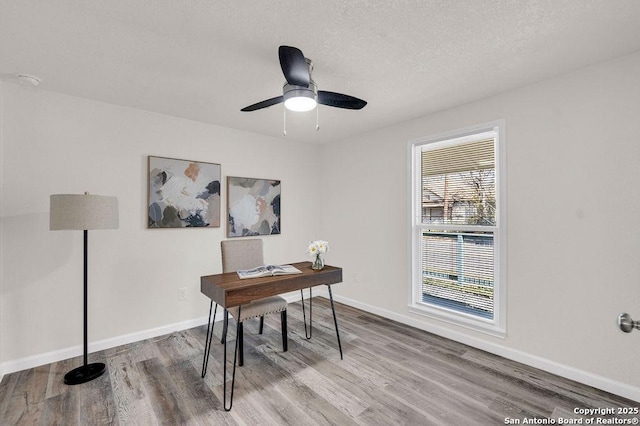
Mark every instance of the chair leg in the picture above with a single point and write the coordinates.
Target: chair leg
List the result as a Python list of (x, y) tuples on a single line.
[(240, 338), (207, 339), (283, 319), (261, 324)]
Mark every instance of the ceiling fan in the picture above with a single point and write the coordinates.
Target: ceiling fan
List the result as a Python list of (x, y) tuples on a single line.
[(300, 92)]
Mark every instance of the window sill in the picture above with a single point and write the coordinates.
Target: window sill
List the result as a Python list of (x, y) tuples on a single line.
[(459, 319)]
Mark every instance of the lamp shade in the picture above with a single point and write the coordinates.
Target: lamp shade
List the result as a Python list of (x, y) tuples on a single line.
[(83, 212)]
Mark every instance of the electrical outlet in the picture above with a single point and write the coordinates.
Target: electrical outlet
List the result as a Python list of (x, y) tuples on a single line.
[(182, 293)]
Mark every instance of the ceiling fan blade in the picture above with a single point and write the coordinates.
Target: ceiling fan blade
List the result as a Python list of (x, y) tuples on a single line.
[(340, 100), (263, 104), (294, 66)]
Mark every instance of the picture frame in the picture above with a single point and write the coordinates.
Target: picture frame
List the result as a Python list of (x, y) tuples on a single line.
[(183, 193), (253, 206)]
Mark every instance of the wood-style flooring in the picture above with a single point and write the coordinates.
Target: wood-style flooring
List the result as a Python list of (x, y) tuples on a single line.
[(391, 374)]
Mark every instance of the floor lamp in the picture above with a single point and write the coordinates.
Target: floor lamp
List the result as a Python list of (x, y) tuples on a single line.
[(83, 212)]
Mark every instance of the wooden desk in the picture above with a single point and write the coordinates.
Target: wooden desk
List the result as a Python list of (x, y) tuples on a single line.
[(228, 290)]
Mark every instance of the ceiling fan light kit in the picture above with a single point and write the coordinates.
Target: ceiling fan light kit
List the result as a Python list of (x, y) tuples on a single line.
[(300, 99), (300, 92)]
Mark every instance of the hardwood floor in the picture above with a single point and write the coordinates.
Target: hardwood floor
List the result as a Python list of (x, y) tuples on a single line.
[(391, 375)]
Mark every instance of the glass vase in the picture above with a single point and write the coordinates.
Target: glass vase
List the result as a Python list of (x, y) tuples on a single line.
[(318, 264)]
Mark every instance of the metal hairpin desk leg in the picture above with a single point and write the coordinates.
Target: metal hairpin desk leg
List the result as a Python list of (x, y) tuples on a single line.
[(304, 316), (335, 319), (207, 339), (224, 366), (225, 324)]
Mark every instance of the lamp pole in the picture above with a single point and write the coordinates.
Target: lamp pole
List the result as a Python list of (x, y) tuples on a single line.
[(86, 372)]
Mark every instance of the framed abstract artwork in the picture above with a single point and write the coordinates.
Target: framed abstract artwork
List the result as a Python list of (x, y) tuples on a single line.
[(253, 206), (183, 194)]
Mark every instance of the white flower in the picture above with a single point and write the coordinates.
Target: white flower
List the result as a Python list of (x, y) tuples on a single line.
[(323, 246), (318, 246)]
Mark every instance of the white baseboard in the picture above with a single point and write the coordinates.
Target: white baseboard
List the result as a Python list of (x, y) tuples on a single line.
[(584, 377), (594, 380), (74, 351)]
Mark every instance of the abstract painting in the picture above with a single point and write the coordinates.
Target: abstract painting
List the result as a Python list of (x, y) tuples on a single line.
[(183, 194), (254, 206)]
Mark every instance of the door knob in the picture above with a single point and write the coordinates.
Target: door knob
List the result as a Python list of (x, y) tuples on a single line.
[(627, 324)]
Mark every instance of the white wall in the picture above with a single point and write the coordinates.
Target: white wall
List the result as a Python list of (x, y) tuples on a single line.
[(573, 156), (59, 144), (1, 204)]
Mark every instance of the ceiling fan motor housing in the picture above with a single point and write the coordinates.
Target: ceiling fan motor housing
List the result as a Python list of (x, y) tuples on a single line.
[(293, 91)]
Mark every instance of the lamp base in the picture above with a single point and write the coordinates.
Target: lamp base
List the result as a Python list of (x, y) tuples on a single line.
[(84, 374)]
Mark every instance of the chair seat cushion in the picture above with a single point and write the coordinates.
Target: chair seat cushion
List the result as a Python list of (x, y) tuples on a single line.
[(258, 308)]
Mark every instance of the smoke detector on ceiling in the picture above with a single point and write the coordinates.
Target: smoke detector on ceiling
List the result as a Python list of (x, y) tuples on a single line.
[(29, 80)]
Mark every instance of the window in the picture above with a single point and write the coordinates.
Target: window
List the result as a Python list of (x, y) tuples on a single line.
[(457, 240)]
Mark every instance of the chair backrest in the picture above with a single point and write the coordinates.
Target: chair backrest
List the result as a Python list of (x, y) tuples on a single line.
[(241, 254)]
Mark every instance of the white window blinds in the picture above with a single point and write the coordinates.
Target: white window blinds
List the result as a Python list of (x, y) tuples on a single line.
[(458, 220)]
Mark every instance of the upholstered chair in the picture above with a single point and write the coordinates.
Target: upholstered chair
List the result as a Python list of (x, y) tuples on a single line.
[(247, 254)]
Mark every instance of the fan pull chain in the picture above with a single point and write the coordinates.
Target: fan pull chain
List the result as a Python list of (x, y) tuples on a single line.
[(284, 121)]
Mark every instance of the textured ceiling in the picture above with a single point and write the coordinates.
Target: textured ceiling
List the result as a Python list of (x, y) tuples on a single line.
[(205, 59)]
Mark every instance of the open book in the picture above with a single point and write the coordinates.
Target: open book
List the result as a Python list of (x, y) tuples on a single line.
[(268, 270)]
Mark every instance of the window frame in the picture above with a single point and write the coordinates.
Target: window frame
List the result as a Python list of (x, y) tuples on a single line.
[(498, 325)]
